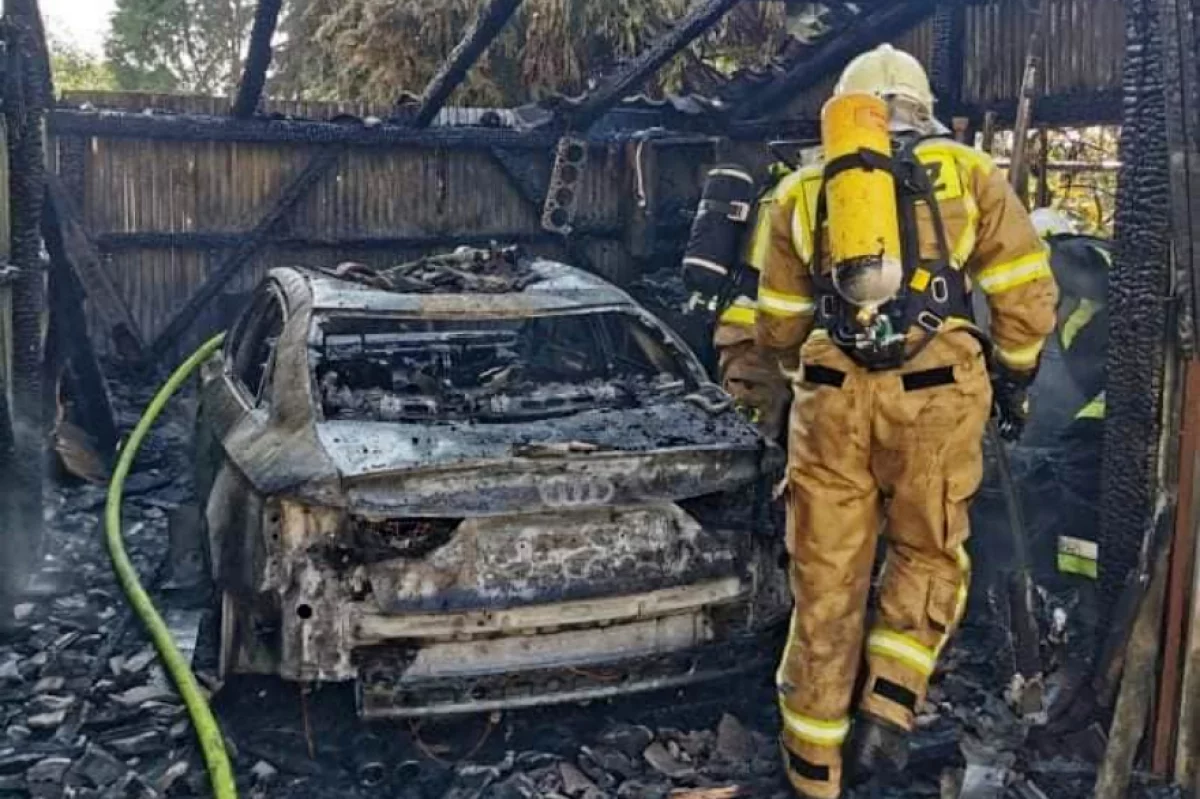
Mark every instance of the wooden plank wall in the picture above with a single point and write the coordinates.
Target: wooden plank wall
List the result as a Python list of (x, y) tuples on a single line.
[(158, 187), (133, 186), (1083, 50), (1082, 54)]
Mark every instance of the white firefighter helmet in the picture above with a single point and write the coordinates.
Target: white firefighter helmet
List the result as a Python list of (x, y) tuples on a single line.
[(887, 72), (1050, 222)]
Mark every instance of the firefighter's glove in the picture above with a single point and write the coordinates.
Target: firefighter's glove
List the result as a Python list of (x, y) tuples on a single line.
[(1010, 401)]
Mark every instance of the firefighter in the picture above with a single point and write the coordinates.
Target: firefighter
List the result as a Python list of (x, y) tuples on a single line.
[(1080, 264), (754, 380), (722, 262), (892, 391)]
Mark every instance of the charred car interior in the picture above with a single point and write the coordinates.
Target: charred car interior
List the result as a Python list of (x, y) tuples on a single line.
[(490, 370), (475, 499)]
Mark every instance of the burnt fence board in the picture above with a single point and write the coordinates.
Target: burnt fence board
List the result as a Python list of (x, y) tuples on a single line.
[(165, 215), (320, 163)]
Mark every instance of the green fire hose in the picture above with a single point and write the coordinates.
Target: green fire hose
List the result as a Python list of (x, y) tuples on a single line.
[(212, 744)]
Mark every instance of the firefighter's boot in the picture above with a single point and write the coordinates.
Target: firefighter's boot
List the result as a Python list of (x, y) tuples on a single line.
[(876, 748)]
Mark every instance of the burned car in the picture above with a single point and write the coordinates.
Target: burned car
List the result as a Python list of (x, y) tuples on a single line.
[(478, 494)]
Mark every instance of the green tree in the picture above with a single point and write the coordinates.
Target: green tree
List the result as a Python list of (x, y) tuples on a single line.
[(376, 49), (76, 69), (179, 45)]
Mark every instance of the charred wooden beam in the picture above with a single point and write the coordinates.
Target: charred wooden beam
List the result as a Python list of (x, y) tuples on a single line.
[(486, 28), (27, 92), (199, 127), (117, 242), (1092, 108), (249, 246), (873, 28), (614, 89), (258, 58), (949, 56), (69, 243), (1137, 690), (1071, 167)]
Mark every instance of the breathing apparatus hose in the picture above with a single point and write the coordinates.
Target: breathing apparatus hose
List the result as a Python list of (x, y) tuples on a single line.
[(212, 743)]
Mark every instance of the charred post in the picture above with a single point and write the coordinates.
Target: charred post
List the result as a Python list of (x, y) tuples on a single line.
[(1139, 290), (946, 72), (481, 34), (614, 89), (879, 26), (27, 94), (69, 244), (258, 58), (247, 248)]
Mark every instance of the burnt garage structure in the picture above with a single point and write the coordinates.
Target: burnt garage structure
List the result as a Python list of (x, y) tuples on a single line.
[(160, 213)]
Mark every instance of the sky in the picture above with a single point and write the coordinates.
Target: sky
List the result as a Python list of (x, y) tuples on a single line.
[(82, 21)]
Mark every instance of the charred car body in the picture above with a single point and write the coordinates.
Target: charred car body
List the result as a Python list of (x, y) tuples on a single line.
[(502, 492)]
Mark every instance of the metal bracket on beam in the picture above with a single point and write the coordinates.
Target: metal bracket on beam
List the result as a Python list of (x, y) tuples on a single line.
[(562, 197)]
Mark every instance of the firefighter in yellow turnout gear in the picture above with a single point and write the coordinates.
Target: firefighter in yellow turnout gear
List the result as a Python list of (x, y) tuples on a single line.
[(747, 374), (891, 395)]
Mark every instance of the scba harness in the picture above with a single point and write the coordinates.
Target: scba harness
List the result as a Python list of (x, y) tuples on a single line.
[(932, 291)]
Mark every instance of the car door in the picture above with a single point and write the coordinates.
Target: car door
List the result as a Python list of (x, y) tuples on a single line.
[(236, 406)]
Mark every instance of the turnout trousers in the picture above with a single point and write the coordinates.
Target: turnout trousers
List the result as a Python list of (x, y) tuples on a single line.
[(894, 452)]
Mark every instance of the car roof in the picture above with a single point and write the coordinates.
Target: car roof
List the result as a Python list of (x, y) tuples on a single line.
[(559, 287)]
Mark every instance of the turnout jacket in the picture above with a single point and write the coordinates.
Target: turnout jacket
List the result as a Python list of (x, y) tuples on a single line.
[(990, 238)]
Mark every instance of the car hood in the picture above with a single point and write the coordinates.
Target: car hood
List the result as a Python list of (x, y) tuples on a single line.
[(605, 457)]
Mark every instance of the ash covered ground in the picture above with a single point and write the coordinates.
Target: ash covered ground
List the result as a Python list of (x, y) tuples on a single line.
[(85, 710)]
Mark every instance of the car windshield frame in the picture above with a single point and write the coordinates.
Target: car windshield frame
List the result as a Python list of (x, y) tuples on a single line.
[(687, 365)]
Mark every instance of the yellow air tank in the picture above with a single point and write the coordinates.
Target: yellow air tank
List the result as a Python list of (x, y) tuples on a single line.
[(860, 203)]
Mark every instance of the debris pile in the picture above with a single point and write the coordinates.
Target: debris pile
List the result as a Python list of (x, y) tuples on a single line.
[(495, 270), (86, 712)]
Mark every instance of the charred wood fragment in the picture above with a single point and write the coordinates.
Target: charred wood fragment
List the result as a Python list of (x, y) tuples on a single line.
[(486, 27), (258, 58), (614, 89), (1137, 689)]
